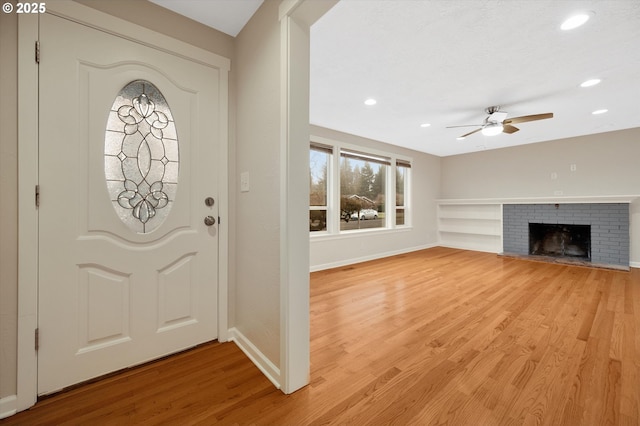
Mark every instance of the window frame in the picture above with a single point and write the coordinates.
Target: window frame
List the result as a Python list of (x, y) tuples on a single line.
[(406, 206), (333, 188), (320, 147)]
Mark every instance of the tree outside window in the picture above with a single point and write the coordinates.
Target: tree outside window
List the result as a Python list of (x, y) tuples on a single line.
[(362, 191), (319, 159), (402, 179)]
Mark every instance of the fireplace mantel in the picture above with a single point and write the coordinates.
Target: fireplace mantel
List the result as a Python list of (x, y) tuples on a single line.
[(544, 200)]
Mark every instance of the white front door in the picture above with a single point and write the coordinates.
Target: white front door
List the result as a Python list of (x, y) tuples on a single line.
[(128, 268)]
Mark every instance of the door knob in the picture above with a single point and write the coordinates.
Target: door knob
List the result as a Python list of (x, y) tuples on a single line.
[(209, 220)]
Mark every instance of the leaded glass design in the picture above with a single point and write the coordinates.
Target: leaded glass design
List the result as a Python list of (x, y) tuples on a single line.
[(141, 156)]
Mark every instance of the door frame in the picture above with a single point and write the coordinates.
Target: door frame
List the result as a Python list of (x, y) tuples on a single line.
[(295, 19), (28, 167)]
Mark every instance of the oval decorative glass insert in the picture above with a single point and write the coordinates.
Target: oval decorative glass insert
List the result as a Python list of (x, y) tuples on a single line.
[(141, 156)]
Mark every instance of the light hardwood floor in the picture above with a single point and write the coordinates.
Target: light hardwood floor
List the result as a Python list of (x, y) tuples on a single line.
[(439, 336)]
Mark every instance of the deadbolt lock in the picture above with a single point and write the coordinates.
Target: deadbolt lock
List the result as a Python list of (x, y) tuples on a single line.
[(209, 201)]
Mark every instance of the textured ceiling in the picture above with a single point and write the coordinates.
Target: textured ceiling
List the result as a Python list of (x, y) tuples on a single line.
[(443, 62)]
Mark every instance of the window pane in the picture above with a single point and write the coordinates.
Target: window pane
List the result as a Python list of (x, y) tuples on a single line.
[(401, 189), (141, 156), (399, 216), (318, 161), (362, 193), (317, 220)]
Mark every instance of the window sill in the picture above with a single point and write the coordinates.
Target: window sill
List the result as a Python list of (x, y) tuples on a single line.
[(317, 236)]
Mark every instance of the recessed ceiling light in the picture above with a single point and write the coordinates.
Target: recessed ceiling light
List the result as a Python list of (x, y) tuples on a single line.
[(425, 125), (370, 102), (590, 83), (575, 21), (599, 111)]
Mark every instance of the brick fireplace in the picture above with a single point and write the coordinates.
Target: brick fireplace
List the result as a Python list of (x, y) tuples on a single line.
[(607, 224)]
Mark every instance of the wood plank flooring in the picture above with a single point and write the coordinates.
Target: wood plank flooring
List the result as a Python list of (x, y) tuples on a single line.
[(439, 336)]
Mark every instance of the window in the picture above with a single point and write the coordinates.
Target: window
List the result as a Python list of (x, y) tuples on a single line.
[(352, 190), (141, 156), (402, 181), (362, 190), (319, 160)]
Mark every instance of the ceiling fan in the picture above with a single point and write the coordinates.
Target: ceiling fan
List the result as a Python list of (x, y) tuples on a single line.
[(497, 122)]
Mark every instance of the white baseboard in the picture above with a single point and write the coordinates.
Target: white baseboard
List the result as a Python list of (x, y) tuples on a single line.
[(470, 248), (8, 406), (634, 264), (256, 356), (354, 260)]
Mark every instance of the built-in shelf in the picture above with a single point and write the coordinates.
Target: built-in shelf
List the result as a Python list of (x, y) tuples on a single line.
[(476, 224), (473, 226), (472, 231)]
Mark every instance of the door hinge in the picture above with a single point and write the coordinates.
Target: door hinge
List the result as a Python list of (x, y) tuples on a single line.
[(37, 51), (37, 340), (37, 195)]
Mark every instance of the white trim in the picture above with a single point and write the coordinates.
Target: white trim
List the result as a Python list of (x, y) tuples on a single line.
[(294, 196), (28, 169), (352, 261), (360, 149), (463, 247), (376, 256), (304, 11), (223, 209), (263, 363), (287, 8), (27, 369), (367, 232), (8, 406), (296, 17), (544, 200)]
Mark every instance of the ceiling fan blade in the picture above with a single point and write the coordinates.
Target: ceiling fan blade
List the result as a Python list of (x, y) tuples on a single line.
[(525, 118), (508, 128), (470, 133), (465, 125)]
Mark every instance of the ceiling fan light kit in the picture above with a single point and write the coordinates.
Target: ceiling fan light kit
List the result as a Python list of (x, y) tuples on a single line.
[(497, 122), (492, 129)]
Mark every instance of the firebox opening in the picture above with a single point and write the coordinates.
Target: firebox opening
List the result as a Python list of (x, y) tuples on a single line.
[(559, 240)]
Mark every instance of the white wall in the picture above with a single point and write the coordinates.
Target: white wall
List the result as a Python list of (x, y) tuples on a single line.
[(9, 204), (606, 164), (257, 221), (337, 250)]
